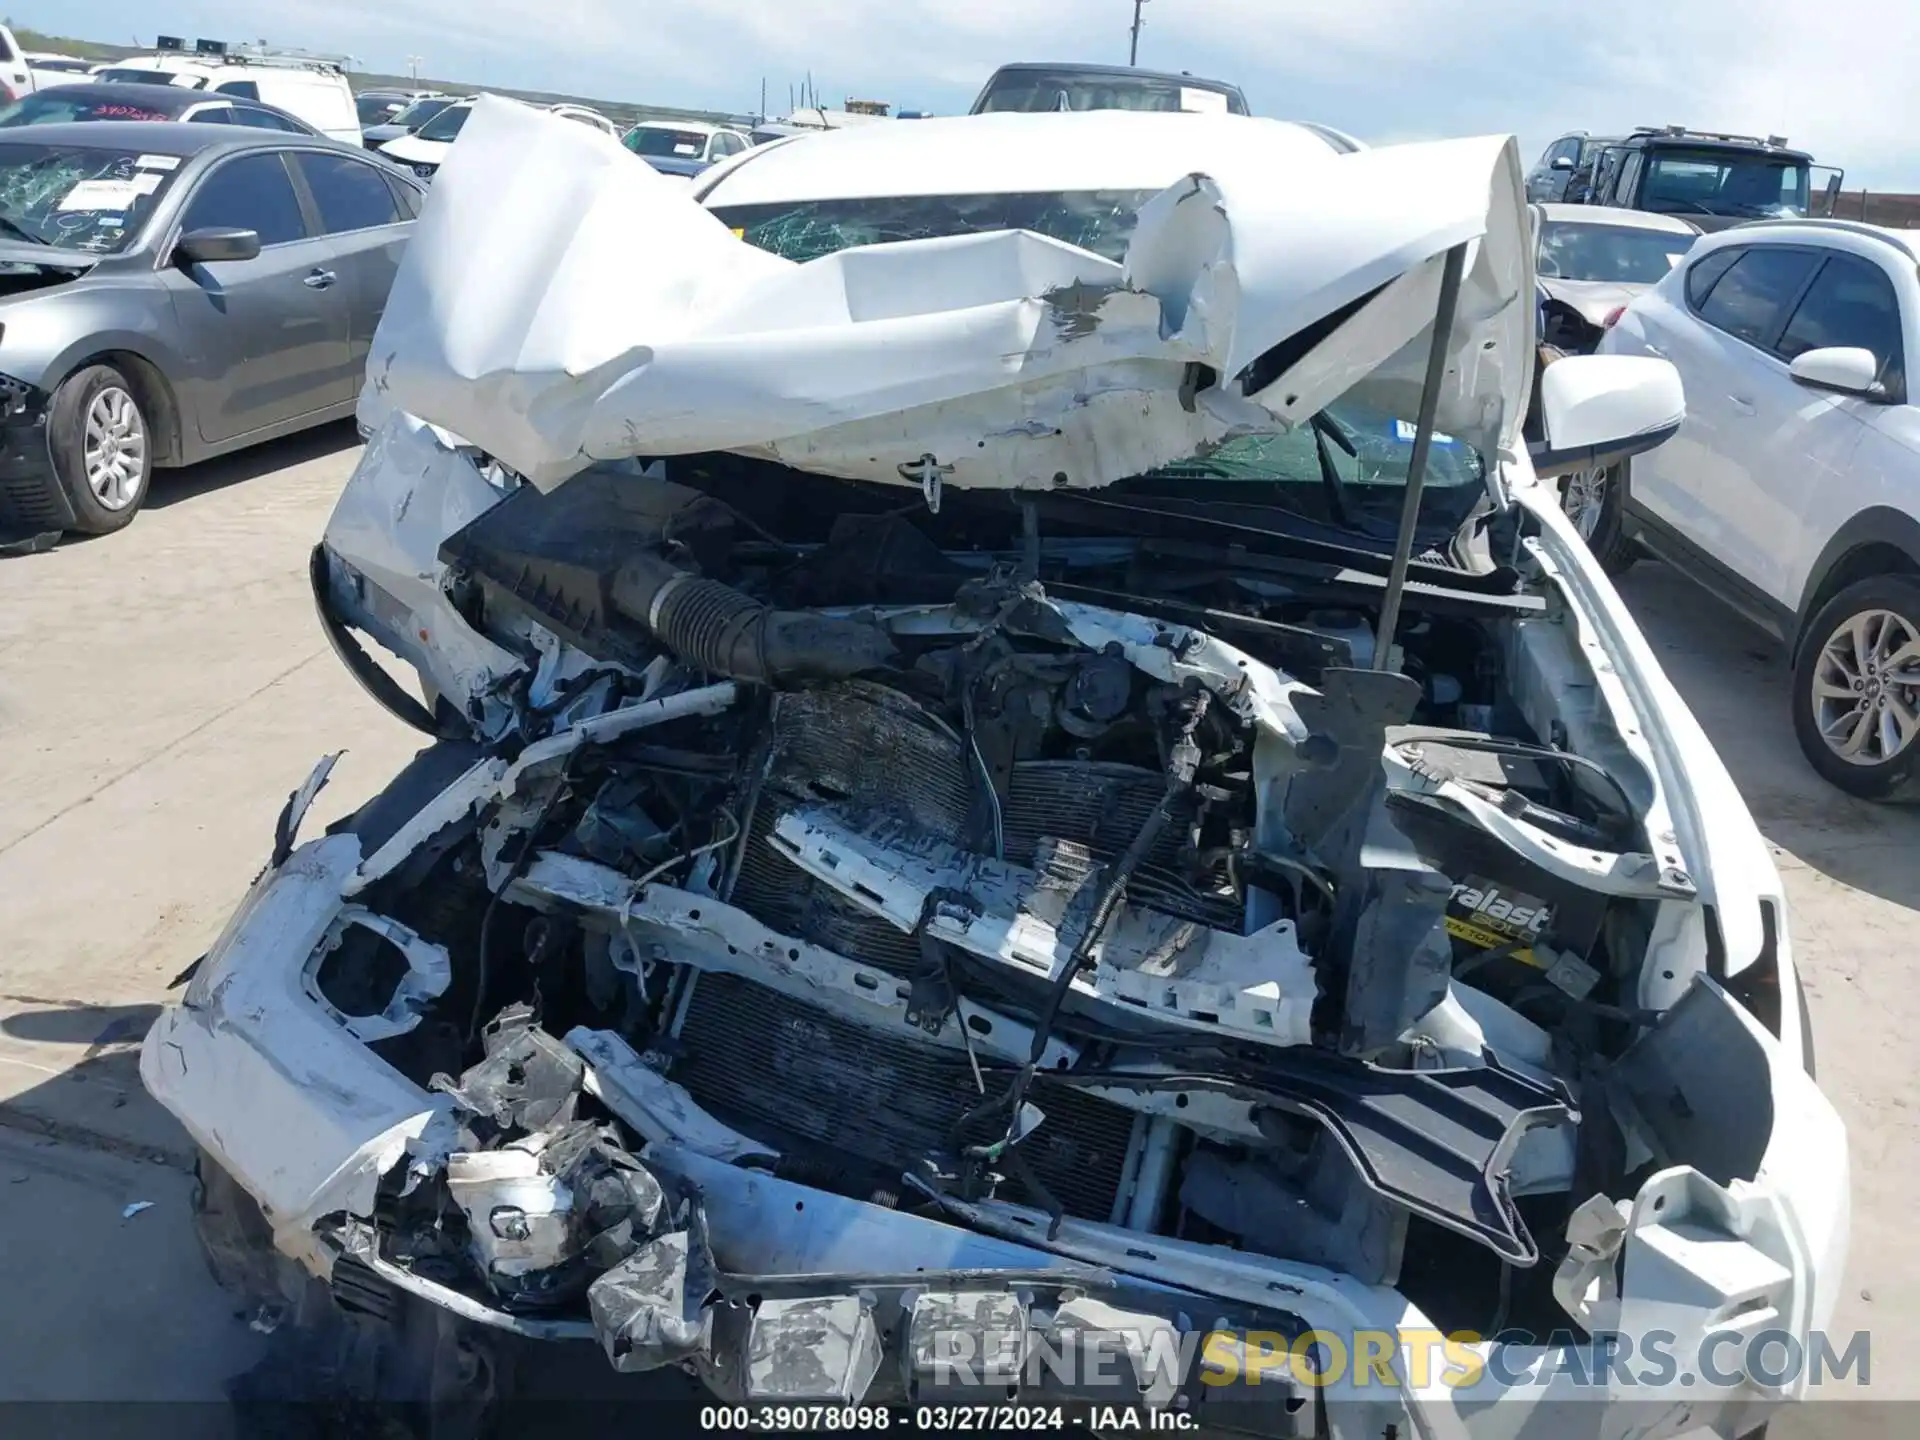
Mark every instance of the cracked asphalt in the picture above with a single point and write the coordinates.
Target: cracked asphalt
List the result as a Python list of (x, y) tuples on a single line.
[(163, 689)]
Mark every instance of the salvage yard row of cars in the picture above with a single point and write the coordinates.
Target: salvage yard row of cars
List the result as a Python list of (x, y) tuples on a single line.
[(1016, 726), (1016, 745)]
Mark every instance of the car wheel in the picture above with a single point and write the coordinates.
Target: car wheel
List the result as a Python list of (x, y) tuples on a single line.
[(1856, 688), (1592, 499), (102, 448)]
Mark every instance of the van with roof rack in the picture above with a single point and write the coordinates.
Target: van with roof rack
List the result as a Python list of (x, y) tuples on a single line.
[(313, 87), (1710, 177)]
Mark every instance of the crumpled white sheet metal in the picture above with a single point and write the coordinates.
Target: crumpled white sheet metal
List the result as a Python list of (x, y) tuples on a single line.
[(561, 304)]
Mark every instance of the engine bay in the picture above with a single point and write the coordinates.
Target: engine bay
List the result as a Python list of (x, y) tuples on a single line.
[(1044, 855)]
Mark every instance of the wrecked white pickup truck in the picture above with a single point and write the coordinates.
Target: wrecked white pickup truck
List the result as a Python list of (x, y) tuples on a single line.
[(1020, 756)]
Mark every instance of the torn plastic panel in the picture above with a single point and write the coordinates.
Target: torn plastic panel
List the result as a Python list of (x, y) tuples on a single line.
[(357, 958)]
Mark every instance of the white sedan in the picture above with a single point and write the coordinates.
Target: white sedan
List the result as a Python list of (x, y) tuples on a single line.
[(1032, 803)]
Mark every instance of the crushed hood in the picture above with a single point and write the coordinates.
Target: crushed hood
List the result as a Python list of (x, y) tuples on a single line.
[(606, 314)]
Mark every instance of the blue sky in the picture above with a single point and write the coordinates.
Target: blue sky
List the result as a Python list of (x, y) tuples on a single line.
[(1834, 77)]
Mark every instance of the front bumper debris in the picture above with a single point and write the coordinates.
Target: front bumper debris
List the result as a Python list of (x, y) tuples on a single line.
[(664, 1239)]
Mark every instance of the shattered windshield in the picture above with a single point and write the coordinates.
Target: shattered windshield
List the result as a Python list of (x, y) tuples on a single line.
[(1618, 254), (79, 197), (1098, 220), (1346, 468)]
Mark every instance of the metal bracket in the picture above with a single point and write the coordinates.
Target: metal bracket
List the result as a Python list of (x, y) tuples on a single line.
[(929, 472)]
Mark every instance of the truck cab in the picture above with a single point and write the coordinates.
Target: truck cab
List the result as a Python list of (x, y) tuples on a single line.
[(1714, 180)]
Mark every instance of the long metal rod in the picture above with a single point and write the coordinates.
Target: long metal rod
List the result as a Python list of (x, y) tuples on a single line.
[(1451, 272)]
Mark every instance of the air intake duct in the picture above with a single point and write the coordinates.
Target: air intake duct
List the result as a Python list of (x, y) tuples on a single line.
[(725, 631)]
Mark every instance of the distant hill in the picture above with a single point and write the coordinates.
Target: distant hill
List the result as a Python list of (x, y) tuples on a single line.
[(622, 112)]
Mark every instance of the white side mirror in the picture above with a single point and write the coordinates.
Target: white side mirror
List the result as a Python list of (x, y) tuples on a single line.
[(1846, 368), (1598, 409)]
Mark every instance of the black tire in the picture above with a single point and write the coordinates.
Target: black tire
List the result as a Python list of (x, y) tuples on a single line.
[(1614, 552), (236, 1240), (1895, 776), (73, 404)]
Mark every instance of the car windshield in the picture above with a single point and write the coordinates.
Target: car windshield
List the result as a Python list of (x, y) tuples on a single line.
[(1618, 254), (446, 125), (1347, 468), (65, 67), (1715, 182), (64, 103), (418, 113), (377, 109), (1041, 90), (125, 75), (659, 140), (79, 197)]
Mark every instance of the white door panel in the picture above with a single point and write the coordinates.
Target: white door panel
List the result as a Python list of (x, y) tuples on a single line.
[(1679, 482)]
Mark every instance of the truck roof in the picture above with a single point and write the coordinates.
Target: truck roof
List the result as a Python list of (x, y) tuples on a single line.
[(1679, 135)]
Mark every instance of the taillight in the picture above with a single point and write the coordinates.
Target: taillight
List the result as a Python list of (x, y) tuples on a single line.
[(1613, 317)]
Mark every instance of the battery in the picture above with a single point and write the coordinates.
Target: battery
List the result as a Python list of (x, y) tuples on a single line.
[(1501, 902)]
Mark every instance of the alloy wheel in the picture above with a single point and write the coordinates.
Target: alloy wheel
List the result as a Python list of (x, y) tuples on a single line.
[(1866, 688), (116, 448), (1585, 500)]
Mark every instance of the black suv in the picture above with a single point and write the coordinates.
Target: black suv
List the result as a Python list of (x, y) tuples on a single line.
[(1714, 180)]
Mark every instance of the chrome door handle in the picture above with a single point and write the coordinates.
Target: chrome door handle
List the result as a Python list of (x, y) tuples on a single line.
[(319, 279)]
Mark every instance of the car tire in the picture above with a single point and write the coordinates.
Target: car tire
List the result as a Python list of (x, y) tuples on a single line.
[(1592, 499), (1851, 688), (101, 443)]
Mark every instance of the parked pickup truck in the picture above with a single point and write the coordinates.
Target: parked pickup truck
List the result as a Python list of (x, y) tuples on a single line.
[(1712, 179), (16, 77)]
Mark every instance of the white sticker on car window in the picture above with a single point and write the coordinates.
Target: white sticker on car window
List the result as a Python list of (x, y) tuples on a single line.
[(148, 182), (102, 195), (157, 162), (1204, 101), (686, 149)]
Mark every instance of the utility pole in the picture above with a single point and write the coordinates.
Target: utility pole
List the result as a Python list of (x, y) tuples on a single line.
[(1133, 50)]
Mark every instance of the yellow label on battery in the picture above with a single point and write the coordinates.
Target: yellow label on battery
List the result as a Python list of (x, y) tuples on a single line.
[(1486, 939)]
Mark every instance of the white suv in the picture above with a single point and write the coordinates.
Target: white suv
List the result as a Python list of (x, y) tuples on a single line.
[(1792, 490)]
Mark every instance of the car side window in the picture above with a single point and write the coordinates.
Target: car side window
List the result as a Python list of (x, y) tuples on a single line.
[(252, 192), (1852, 303), (245, 89), (1752, 297), (221, 114), (405, 196), (351, 194), (261, 119), (1629, 175), (1703, 273)]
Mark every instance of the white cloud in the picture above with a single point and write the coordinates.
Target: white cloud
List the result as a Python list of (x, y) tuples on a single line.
[(1833, 76)]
